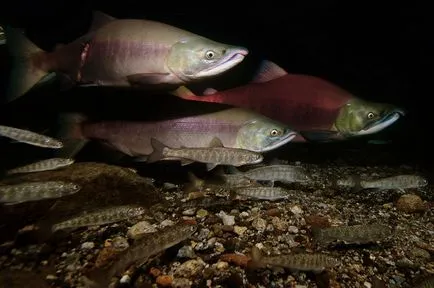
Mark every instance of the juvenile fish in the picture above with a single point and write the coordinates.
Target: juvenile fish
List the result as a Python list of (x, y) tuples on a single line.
[(263, 193), (213, 156), (393, 182), (282, 173), (207, 202), (101, 217), (355, 234), (44, 165), (142, 250), (35, 191), (29, 137), (300, 262)]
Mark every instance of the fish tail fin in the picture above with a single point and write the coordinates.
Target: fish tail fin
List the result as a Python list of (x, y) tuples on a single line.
[(256, 261), (183, 93), (157, 153), (71, 135), (24, 74)]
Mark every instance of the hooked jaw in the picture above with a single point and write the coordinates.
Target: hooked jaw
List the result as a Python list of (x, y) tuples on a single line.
[(233, 57), (281, 142), (383, 123)]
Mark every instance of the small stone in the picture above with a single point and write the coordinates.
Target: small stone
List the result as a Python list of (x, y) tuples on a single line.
[(222, 265), (410, 203), (367, 284), (226, 219), (296, 210), (259, 224), (164, 280), (87, 245), (186, 252), (139, 229), (195, 195), (189, 212), (279, 224), (155, 272), (244, 214), (240, 230), (125, 279), (190, 268), (293, 229), (273, 212), (227, 228), (181, 283), (166, 223), (201, 213), (317, 221), (237, 259), (50, 277)]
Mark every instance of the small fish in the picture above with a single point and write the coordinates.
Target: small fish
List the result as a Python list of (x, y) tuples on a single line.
[(122, 52), (272, 173), (263, 193), (300, 261), (44, 165), (101, 217), (35, 191), (221, 182), (28, 137), (208, 203), (355, 234), (320, 110), (213, 156), (2, 36), (142, 250), (399, 182)]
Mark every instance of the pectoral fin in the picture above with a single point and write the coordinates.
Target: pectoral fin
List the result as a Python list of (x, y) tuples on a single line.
[(216, 142)]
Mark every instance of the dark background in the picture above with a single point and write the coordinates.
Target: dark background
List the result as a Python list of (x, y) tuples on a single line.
[(381, 53)]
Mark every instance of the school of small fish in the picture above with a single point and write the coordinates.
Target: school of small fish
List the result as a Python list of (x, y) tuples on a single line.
[(271, 111)]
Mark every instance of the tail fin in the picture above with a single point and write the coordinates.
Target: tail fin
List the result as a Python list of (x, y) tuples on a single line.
[(70, 134), (195, 183), (157, 153), (24, 74)]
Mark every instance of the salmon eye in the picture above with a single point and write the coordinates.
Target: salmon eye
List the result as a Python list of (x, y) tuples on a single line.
[(371, 115), (209, 54), (275, 132)]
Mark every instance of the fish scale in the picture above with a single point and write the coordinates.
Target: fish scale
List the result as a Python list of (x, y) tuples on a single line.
[(101, 217)]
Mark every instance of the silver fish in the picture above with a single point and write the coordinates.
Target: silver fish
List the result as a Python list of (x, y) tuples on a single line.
[(282, 173), (213, 156), (393, 182), (44, 165), (34, 191), (29, 137), (263, 193), (142, 250), (101, 217), (301, 262), (355, 234)]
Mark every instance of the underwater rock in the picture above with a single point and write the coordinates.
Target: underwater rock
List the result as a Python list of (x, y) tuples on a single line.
[(101, 185)]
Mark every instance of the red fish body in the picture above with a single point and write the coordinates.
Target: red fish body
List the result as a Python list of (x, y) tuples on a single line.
[(303, 102)]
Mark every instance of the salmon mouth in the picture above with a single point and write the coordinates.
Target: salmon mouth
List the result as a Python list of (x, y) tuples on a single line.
[(288, 138), (382, 123), (233, 58)]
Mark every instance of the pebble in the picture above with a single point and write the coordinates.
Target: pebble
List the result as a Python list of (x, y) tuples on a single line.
[(87, 245), (186, 252), (296, 210), (293, 229), (139, 229), (190, 268), (181, 283), (201, 213), (279, 224), (166, 223), (189, 212), (410, 203), (226, 219), (259, 224), (240, 230), (164, 280)]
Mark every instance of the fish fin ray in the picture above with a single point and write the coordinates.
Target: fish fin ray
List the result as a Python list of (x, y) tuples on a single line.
[(216, 142), (210, 166), (70, 134), (157, 153), (24, 74), (183, 92), (99, 19), (268, 71), (185, 162)]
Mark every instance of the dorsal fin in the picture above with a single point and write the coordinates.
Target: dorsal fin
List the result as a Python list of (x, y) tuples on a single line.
[(268, 71), (100, 19), (216, 142)]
